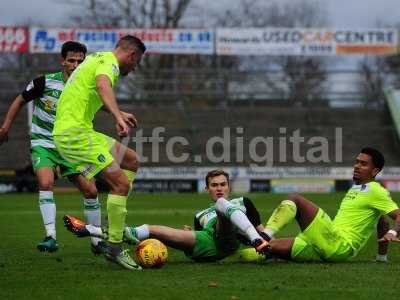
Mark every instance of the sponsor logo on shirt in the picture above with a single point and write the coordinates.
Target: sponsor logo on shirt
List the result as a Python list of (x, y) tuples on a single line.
[(87, 169), (49, 105), (115, 69)]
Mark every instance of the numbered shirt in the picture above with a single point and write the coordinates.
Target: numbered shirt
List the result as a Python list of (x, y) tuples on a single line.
[(79, 100), (360, 210), (44, 91)]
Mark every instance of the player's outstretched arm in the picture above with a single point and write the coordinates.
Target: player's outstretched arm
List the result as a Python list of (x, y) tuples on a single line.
[(383, 246), (393, 234), (10, 117)]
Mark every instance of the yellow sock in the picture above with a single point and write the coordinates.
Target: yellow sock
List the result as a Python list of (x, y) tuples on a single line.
[(131, 177), (282, 215), (116, 209)]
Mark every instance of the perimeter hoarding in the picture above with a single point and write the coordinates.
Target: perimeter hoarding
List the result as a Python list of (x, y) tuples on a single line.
[(163, 41), (298, 41), (14, 39)]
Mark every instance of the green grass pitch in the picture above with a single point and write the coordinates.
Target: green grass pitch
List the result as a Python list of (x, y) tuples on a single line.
[(74, 273)]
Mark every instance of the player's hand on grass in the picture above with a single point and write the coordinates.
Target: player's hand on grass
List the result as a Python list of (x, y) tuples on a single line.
[(129, 119), (3, 135)]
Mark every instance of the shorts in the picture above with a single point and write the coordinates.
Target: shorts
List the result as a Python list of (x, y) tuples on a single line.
[(88, 150), (212, 246), (320, 241), (50, 158)]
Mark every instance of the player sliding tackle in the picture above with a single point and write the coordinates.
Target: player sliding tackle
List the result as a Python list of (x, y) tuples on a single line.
[(216, 228), (321, 238)]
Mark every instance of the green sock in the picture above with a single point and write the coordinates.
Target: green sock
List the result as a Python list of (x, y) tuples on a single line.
[(282, 215), (131, 177), (116, 209)]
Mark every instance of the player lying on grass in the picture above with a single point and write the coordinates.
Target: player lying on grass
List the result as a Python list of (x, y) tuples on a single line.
[(45, 91), (216, 228), (321, 238)]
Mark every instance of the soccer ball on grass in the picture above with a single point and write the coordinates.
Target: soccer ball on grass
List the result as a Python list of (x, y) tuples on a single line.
[(151, 253)]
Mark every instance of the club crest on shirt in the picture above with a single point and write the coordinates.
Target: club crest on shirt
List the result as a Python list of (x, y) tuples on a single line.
[(101, 158)]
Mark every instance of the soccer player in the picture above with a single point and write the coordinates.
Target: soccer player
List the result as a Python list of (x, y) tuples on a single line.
[(321, 238), (216, 229), (45, 91), (95, 154)]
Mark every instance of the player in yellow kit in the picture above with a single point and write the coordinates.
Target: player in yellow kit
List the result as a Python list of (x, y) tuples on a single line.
[(340, 239), (94, 154)]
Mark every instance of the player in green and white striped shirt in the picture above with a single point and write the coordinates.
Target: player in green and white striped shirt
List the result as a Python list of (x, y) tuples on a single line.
[(45, 91)]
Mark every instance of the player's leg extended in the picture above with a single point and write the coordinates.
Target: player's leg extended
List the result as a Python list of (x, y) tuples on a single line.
[(90, 152), (91, 204), (119, 186), (47, 207), (295, 206), (120, 182), (282, 248), (179, 239)]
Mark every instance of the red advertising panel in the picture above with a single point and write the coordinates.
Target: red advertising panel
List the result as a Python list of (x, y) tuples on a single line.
[(14, 39)]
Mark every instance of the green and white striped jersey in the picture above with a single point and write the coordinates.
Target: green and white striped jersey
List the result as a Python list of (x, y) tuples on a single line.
[(44, 91)]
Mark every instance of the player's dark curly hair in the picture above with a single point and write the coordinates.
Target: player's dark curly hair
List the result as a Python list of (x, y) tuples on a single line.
[(215, 173), (377, 157), (72, 46)]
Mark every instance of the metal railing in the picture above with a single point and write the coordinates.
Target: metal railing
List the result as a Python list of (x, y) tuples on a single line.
[(340, 87)]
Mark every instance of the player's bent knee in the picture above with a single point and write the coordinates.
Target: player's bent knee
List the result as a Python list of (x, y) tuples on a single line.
[(90, 193), (122, 186), (292, 196), (133, 162), (295, 197), (46, 185)]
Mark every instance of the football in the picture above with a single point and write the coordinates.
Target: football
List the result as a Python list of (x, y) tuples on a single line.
[(151, 253)]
